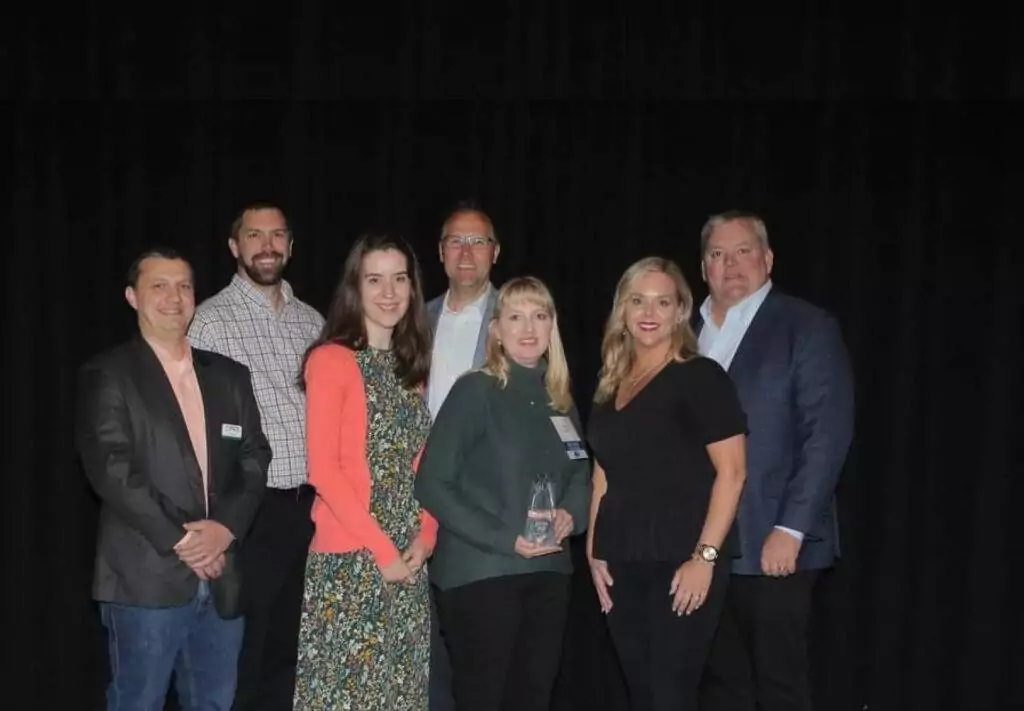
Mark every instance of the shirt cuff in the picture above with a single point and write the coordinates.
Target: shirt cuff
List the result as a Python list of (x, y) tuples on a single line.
[(795, 534)]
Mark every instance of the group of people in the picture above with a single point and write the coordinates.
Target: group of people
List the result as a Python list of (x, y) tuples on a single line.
[(342, 512)]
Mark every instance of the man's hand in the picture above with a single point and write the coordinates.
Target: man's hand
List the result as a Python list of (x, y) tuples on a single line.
[(778, 556), (204, 542), (416, 555), (214, 570)]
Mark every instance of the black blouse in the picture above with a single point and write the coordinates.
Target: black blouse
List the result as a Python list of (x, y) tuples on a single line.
[(654, 455)]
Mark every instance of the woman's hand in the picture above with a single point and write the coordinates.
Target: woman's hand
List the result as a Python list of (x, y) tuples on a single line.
[(563, 525), (690, 585), (396, 572), (416, 555), (602, 581), (532, 550)]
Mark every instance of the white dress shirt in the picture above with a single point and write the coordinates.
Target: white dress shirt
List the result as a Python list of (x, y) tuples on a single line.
[(721, 343), (455, 341)]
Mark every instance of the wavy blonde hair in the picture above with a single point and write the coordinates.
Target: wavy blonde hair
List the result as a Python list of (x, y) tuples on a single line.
[(617, 348), (556, 379)]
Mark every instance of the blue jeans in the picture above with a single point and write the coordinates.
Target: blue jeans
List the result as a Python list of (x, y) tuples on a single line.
[(147, 644)]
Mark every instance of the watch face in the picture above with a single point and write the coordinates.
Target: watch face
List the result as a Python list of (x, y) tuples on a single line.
[(708, 553)]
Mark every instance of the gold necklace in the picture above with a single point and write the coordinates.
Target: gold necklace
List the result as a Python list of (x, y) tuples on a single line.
[(635, 380)]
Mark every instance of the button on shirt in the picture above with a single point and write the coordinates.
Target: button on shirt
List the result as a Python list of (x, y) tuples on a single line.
[(455, 342), (241, 323), (721, 344)]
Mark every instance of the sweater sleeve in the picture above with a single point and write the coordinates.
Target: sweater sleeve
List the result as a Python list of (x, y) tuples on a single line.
[(461, 420), (336, 447)]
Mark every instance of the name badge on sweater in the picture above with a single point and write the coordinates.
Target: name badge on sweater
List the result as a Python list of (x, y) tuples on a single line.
[(570, 438), (231, 431)]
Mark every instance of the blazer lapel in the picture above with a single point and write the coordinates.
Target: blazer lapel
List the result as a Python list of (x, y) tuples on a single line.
[(155, 388), (760, 329), (211, 415), (485, 324)]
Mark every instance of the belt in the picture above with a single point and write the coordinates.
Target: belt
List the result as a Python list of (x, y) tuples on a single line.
[(298, 493)]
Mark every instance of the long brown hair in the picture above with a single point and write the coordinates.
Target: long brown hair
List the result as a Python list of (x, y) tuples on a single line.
[(346, 321)]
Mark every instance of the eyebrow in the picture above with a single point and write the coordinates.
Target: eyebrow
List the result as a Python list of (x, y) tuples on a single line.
[(378, 274)]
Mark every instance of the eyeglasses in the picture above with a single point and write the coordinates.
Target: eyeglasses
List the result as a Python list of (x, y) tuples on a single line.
[(454, 242)]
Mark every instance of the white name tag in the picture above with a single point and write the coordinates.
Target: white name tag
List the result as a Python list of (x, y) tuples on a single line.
[(231, 431), (570, 438)]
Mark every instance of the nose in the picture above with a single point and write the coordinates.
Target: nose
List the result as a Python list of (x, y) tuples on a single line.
[(730, 259), (528, 326), (389, 289)]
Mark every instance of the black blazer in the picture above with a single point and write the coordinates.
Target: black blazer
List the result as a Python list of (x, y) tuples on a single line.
[(136, 452)]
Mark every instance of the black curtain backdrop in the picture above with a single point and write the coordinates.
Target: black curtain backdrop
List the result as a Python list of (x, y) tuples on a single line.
[(884, 152)]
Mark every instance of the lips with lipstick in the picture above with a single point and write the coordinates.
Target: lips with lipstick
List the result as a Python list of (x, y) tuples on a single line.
[(648, 326)]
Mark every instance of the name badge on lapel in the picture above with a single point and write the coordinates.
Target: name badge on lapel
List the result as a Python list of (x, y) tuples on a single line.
[(231, 431), (567, 433)]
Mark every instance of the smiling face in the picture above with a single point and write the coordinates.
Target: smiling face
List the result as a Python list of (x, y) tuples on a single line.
[(163, 296), (385, 290), (523, 328), (652, 309), (262, 246), (468, 250)]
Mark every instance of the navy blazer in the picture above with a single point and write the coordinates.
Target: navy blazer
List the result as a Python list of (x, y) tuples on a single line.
[(794, 380), (435, 305)]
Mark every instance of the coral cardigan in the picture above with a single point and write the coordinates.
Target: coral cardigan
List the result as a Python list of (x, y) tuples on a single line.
[(336, 416)]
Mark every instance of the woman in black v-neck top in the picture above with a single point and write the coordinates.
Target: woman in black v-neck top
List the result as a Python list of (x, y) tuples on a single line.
[(668, 436)]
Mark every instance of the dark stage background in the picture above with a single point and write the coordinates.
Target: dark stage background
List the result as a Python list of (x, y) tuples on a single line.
[(883, 151)]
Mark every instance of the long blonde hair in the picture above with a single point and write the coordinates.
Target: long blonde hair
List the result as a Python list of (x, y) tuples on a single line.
[(617, 347), (556, 380)]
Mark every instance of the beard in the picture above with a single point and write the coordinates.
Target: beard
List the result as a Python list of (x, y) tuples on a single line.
[(264, 276)]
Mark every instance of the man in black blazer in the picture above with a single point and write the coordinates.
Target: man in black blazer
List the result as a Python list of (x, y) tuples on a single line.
[(792, 374), (171, 440)]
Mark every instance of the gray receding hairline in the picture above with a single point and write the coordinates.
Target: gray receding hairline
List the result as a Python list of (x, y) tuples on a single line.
[(753, 221)]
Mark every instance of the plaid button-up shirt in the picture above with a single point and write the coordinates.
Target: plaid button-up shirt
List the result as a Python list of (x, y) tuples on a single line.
[(241, 323)]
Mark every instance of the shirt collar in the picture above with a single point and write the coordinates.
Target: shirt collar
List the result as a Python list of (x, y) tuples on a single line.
[(250, 292), (476, 305), (182, 365), (742, 309)]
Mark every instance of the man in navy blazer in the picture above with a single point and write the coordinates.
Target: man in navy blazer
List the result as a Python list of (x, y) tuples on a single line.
[(791, 370), (460, 318)]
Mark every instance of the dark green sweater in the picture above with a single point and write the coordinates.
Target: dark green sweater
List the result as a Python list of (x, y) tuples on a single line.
[(485, 450)]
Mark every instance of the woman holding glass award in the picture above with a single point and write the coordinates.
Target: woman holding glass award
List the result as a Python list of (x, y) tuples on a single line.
[(506, 475), (668, 436)]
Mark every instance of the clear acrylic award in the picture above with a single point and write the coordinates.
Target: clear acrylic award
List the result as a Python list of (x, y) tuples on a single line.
[(540, 518)]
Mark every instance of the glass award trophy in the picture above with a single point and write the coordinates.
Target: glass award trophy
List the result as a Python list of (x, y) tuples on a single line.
[(540, 518)]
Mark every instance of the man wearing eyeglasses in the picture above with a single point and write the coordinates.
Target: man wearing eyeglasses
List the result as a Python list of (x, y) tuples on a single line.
[(460, 318), (257, 320)]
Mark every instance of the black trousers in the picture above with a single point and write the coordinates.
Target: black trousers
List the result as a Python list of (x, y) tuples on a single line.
[(759, 657), (662, 654), (273, 574), (505, 639), (440, 698)]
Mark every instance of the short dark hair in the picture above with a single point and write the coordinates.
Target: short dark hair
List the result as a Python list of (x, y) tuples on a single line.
[(236, 225), (159, 252), (346, 325), (468, 206)]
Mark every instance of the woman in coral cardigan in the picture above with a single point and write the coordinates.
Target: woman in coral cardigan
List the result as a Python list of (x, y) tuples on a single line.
[(365, 634)]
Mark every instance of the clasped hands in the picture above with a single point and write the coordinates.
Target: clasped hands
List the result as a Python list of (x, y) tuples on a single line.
[(407, 567), (202, 548)]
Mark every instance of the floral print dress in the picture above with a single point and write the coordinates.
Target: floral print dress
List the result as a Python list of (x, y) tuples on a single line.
[(364, 644)]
